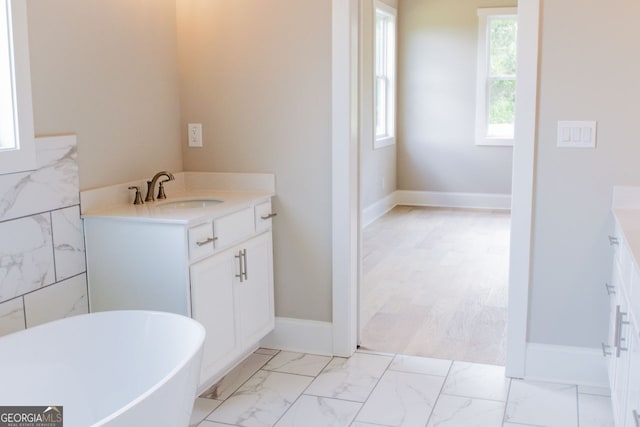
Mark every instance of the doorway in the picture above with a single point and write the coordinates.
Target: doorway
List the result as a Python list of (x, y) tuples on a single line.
[(346, 212), (434, 281)]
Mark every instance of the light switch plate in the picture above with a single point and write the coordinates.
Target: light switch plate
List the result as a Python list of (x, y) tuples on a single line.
[(577, 134), (195, 134)]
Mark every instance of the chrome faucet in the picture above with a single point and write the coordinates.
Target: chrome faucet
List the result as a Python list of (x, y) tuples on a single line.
[(151, 186)]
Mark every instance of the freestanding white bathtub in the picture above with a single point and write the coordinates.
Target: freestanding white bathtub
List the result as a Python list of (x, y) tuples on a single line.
[(113, 368)]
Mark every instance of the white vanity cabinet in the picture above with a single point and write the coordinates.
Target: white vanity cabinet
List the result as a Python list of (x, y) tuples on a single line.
[(232, 296), (217, 269), (623, 346)]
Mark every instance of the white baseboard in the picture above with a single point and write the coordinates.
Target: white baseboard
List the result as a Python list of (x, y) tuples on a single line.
[(435, 199), (454, 200), (379, 208), (569, 365), (299, 335)]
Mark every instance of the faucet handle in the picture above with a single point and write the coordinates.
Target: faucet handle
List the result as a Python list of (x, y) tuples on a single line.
[(149, 197), (161, 194), (138, 199)]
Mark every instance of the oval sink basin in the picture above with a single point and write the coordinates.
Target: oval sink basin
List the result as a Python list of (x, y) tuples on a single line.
[(189, 204)]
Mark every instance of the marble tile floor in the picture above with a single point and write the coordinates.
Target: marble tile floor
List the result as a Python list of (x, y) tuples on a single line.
[(285, 389)]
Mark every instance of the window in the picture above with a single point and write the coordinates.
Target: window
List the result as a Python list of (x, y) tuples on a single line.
[(385, 75), (496, 80), (17, 151)]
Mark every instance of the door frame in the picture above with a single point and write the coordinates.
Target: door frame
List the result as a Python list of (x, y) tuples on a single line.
[(345, 180)]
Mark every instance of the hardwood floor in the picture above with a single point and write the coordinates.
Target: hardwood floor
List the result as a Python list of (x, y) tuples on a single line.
[(434, 283)]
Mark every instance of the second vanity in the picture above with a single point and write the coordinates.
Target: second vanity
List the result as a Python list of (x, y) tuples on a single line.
[(204, 252), (622, 348)]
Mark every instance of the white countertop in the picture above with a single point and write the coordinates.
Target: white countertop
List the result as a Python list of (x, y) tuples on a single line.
[(629, 220), (236, 190), (626, 210), (154, 212)]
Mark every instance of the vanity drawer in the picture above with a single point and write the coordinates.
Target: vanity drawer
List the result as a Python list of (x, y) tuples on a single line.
[(263, 216), (234, 227), (201, 241)]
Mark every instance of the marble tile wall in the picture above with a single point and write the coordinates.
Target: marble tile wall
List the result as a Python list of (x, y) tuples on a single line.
[(42, 260)]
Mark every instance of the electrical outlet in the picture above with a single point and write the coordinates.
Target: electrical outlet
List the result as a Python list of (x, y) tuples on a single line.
[(195, 134)]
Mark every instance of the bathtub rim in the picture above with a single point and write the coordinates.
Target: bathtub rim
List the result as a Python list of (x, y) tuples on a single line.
[(199, 335)]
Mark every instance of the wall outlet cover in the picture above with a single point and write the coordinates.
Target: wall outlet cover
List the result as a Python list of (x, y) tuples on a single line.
[(195, 134)]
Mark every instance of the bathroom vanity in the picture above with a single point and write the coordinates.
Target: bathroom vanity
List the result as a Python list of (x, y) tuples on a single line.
[(622, 348), (204, 252)]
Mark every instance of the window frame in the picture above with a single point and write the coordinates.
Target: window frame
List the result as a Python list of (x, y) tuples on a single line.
[(389, 74), (22, 157), (485, 15)]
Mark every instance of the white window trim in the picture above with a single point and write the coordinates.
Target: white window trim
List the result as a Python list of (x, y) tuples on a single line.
[(481, 75), (23, 157), (390, 139)]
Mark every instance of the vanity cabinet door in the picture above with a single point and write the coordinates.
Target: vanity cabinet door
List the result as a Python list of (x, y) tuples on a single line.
[(614, 290), (633, 394), (621, 353), (254, 288), (212, 304)]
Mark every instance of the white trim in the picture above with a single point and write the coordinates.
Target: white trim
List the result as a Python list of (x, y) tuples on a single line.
[(299, 335), (385, 141), (391, 71), (569, 365), (493, 201), (494, 142), (497, 11), (344, 25), (522, 187), (454, 200), (379, 208), (24, 158), (385, 8), (344, 185), (481, 138)]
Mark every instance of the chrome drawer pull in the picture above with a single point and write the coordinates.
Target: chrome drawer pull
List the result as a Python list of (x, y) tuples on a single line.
[(636, 418), (618, 331), (613, 240), (266, 217), (206, 242), (610, 289), (244, 255), (242, 265), (605, 353)]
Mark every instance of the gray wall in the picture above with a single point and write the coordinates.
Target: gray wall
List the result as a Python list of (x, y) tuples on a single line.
[(263, 95), (436, 103), (108, 72), (377, 167), (589, 70), (257, 75)]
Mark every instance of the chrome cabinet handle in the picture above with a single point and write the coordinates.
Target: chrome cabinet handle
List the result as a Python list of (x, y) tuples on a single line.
[(207, 241), (636, 418), (613, 240), (610, 289), (244, 255), (269, 216), (239, 258), (605, 353), (618, 331), (242, 265)]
